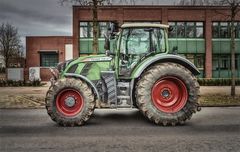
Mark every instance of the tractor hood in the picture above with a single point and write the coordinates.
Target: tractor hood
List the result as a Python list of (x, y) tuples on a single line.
[(88, 66)]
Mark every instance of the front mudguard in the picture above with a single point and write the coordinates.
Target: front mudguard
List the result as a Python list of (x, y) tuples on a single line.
[(85, 79), (55, 77)]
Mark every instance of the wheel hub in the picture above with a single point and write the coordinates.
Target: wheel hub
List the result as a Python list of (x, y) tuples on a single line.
[(165, 93), (169, 94), (70, 101)]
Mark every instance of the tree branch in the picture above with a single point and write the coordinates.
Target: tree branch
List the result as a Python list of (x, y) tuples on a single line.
[(225, 15)]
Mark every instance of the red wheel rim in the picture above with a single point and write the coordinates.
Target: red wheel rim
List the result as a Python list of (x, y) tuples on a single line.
[(69, 102), (169, 94)]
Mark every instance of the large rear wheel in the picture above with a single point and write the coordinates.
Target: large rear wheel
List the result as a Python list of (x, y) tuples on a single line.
[(167, 94), (70, 102)]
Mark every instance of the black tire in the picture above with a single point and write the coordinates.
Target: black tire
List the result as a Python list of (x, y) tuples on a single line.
[(78, 87), (145, 99)]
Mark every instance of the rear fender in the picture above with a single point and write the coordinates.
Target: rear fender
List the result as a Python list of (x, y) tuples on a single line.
[(164, 58)]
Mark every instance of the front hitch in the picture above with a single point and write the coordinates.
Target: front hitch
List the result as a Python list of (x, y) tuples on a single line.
[(55, 75)]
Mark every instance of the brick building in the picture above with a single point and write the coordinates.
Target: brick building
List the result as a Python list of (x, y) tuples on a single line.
[(45, 52), (202, 35)]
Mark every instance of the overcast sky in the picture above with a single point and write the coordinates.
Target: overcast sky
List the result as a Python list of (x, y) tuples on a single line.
[(44, 17)]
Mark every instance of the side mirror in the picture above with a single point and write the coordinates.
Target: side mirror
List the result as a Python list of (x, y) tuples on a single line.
[(107, 41), (113, 29), (110, 34)]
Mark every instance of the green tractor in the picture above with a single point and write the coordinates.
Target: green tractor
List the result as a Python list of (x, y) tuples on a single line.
[(137, 73)]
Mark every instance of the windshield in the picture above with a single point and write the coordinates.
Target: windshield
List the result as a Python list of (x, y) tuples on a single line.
[(142, 40)]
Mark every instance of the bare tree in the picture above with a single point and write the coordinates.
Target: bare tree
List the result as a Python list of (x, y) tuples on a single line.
[(10, 43), (234, 7)]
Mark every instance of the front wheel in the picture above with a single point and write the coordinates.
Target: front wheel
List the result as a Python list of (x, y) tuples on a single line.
[(70, 102), (167, 94)]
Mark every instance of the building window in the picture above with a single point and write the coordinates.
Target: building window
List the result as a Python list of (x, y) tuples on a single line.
[(237, 62), (186, 30), (223, 29), (190, 30), (103, 27), (215, 30), (180, 30), (238, 30), (198, 59), (48, 59), (199, 29), (222, 62), (86, 29), (173, 33), (222, 65)]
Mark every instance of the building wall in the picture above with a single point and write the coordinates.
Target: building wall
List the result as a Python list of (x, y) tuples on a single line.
[(163, 14), (206, 46), (37, 45)]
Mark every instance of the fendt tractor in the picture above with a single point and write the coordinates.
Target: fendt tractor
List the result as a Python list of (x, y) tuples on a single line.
[(138, 72)]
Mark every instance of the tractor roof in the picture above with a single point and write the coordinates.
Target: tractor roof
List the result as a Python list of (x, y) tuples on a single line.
[(129, 25)]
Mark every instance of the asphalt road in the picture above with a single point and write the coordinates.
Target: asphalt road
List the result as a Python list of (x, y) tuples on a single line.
[(210, 130)]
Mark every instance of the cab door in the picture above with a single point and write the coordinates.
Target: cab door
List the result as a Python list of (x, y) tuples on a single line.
[(135, 42)]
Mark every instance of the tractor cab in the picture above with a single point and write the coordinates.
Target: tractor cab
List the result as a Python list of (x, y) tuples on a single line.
[(136, 42)]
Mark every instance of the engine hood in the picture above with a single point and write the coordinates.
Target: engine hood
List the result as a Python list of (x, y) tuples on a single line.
[(89, 66)]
